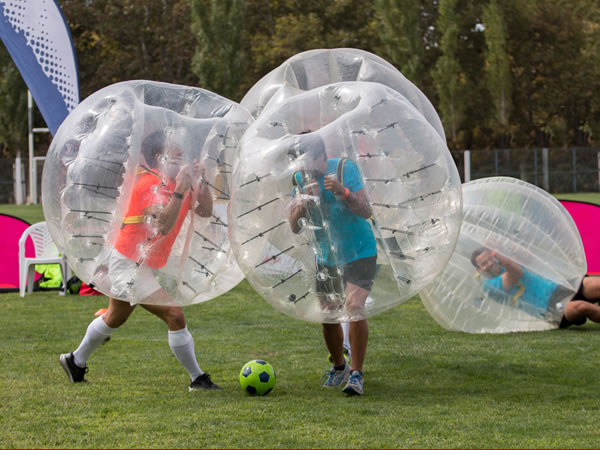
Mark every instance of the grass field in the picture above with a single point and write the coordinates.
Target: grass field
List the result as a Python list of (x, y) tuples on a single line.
[(29, 213), (424, 386)]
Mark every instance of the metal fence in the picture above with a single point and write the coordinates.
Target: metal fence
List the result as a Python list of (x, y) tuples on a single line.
[(556, 170), (8, 187)]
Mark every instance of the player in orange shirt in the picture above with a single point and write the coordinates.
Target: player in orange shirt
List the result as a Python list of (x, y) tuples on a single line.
[(158, 207)]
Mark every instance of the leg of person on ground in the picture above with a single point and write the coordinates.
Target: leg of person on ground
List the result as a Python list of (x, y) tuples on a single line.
[(181, 343), (98, 332), (579, 310), (334, 340), (591, 288), (359, 336)]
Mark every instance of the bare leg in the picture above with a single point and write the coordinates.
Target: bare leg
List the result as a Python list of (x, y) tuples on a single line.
[(334, 340), (172, 315), (359, 329), (118, 313), (591, 288), (578, 309), (181, 341), (359, 336)]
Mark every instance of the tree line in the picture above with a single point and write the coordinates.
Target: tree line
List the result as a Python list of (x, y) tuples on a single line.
[(501, 73)]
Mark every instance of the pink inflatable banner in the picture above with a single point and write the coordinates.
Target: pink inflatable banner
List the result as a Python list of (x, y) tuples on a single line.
[(587, 218), (12, 229)]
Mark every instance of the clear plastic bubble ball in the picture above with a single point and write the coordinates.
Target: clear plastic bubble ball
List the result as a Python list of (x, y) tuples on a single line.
[(519, 259), (316, 68), (110, 191), (342, 193)]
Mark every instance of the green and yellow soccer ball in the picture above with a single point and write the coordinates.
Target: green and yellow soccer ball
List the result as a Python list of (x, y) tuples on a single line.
[(257, 377)]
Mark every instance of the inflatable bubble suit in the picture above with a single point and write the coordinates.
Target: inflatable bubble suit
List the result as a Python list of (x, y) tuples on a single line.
[(296, 240), (316, 68), (518, 260), (109, 176)]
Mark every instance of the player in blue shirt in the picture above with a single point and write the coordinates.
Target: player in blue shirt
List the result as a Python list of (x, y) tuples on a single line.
[(346, 260), (535, 294)]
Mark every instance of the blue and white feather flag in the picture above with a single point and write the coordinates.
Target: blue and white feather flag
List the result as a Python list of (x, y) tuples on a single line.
[(38, 39)]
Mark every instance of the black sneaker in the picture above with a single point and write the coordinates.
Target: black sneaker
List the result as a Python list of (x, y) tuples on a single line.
[(203, 382), (74, 372)]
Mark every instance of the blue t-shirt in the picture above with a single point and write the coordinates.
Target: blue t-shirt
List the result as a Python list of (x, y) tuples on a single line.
[(349, 234), (533, 291)]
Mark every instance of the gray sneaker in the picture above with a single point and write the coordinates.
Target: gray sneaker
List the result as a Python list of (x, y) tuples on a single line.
[(333, 378), (355, 384)]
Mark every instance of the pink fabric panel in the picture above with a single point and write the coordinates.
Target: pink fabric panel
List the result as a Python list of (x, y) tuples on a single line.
[(587, 219), (11, 230)]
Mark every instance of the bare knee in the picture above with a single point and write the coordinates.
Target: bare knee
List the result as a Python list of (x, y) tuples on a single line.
[(117, 314), (591, 288), (577, 309), (174, 318)]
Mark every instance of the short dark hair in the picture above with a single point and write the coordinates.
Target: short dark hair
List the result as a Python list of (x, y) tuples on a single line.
[(475, 254), (311, 144), (153, 145)]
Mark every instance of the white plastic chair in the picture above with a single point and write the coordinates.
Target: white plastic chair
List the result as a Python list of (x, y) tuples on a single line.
[(45, 253)]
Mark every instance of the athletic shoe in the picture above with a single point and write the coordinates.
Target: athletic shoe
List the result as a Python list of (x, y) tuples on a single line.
[(347, 356), (75, 373), (355, 384), (333, 378), (203, 382)]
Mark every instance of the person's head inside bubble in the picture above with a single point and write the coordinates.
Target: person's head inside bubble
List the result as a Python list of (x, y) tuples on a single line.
[(486, 262)]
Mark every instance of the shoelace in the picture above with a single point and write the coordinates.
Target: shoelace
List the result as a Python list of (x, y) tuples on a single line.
[(354, 378), (328, 376)]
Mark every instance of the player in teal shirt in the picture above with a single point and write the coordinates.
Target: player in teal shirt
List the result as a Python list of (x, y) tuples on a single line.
[(339, 220), (351, 235), (511, 283)]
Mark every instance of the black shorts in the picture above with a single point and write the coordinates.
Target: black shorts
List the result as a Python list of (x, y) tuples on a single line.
[(360, 272), (564, 323)]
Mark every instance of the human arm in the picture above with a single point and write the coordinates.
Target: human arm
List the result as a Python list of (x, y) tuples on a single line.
[(298, 209), (204, 207), (513, 271), (166, 216), (357, 202)]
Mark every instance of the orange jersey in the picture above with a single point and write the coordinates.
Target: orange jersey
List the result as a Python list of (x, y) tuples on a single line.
[(138, 240)]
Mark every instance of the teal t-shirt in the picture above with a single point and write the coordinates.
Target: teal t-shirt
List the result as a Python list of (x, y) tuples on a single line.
[(534, 297), (350, 235)]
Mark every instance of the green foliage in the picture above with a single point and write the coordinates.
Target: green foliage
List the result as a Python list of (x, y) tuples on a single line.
[(219, 61), (450, 79), (524, 69), (402, 35), (13, 108), (118, 40), (277, 30), (497, 65)]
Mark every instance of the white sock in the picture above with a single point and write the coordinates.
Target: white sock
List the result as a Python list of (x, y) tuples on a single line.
[(182, 346), (346, 328), (96, 334)]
